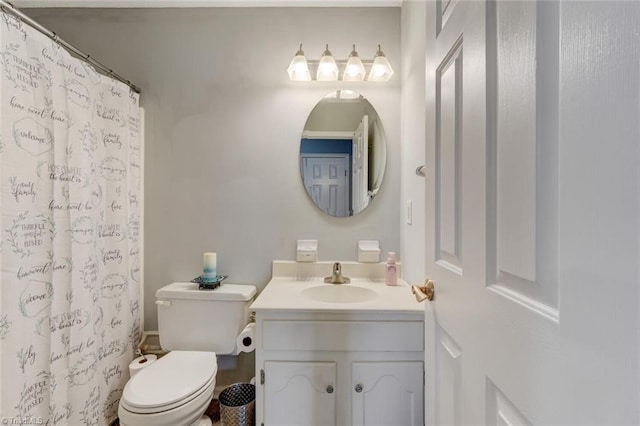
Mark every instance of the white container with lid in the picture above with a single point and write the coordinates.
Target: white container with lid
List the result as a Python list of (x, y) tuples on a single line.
[(369, 251), (307, 251)]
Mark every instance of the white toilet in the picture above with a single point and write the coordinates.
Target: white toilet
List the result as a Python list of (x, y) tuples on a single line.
[(194, 325)]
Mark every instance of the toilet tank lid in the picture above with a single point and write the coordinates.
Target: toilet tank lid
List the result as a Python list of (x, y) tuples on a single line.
[(184, 290)]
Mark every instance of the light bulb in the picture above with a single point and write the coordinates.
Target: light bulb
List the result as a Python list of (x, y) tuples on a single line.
[(348, 94), (379, 70)]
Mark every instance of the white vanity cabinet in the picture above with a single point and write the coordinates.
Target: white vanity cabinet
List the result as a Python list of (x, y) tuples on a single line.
[(387, 393), (300, 393), (339, 368), (348, 354)]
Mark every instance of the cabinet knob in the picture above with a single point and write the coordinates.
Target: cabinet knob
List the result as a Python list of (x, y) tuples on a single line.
[(329, 389), (358, 388)]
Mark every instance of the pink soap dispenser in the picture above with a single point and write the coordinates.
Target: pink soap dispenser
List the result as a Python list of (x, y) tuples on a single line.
[(391, 270)]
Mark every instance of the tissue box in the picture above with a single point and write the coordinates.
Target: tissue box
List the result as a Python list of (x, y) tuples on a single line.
[(369, 251), (307, 251)]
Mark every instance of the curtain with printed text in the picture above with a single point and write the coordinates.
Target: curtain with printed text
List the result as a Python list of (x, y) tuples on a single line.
[(69, 220)]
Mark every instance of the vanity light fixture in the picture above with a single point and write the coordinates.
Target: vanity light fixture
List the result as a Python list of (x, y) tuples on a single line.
[(299, 68), (381, 69), (328, 68), (354, 70)]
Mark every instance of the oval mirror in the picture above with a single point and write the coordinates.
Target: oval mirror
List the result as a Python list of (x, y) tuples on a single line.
[(342, 154)]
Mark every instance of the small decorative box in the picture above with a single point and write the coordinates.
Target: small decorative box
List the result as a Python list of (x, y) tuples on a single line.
[(307, 251), (369, 251)]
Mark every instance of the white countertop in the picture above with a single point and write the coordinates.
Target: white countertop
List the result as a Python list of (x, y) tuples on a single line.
[(290, 279), (284, 293)]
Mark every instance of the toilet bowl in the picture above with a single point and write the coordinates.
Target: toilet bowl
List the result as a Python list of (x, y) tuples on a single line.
[(194, 325), (175, 390)]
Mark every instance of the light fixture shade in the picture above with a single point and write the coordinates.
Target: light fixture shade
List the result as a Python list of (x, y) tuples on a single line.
[(327, 68), (354, 70), (381, 69), (347, 94), (299, 68)]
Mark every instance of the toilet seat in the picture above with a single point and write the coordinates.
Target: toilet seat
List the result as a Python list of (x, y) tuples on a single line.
[(172, 381)]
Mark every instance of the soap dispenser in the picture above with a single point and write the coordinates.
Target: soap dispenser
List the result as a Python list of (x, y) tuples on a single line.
[(391, 270)]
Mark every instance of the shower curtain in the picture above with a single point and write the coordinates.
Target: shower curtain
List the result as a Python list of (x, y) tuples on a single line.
[(69, 218)]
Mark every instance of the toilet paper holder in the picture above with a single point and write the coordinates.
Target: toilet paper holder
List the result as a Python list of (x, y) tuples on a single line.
[(245, 342), (139, 353)]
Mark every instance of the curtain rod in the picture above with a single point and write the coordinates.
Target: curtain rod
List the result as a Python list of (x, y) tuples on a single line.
[(10, 8)]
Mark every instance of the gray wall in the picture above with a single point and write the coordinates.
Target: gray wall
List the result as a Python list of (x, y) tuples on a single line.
[(223, 124), (414, 36)]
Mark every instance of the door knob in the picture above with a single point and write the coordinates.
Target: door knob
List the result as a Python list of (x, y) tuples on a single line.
[(358, 388), (329, 389), (425, 292)]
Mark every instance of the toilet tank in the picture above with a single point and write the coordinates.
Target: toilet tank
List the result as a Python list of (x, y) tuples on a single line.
[(190, 319)]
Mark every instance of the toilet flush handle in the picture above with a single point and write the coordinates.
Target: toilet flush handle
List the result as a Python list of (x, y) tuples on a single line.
[(163, 302)]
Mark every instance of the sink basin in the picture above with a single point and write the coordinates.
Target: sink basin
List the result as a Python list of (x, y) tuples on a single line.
[(332, 293)]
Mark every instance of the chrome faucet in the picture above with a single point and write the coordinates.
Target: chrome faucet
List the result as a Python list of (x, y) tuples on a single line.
[(336, 276)]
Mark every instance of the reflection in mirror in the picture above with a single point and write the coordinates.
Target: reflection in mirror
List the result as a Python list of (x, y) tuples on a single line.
[(342, 154)]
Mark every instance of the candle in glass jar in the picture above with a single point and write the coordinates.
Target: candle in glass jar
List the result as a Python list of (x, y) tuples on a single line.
[(209, 270)]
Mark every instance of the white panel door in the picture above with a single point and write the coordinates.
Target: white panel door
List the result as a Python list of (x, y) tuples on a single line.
[(327, 182), (299, 393), (533, 212)]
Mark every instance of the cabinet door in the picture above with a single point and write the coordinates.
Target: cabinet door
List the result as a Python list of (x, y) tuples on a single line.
[(387, 393), (299, 393)]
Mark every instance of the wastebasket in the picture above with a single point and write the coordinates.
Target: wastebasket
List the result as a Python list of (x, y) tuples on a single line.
[(237, 404)]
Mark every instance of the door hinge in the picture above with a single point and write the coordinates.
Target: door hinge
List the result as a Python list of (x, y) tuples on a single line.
[(261, 376), (424, 380)]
